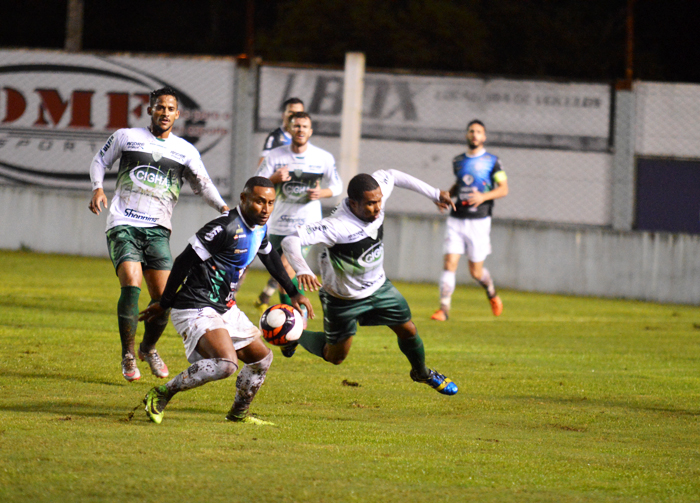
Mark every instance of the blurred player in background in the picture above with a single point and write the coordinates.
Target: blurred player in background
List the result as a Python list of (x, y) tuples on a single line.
[(480, 180), (277, 138), (153, 164), (355, 287), (216, 334), (298, 170), (282, 135)]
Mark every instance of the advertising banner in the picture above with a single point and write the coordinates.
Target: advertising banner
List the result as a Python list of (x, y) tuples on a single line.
[(57, 110), (517, 113)]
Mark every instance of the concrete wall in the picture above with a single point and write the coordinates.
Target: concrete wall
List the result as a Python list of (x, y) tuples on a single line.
[(526, 256), (537, 257), (54, 221)]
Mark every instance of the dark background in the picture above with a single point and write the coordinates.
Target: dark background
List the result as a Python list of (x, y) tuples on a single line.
[(574, 39)]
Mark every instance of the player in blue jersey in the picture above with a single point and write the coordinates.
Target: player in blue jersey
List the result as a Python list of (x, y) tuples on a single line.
[(217, 334), (480, 180), (282, 135)]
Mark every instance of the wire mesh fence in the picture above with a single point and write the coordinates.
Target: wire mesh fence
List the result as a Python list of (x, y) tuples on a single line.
[(553, 139), (57, 110), (560, 143)]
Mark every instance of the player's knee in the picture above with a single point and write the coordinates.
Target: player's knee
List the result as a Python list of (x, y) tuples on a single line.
[(225, 367), (335, 359)]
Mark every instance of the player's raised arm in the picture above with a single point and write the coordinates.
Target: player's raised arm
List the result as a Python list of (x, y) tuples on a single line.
[(292, 250), (202, 184), (406, 181)]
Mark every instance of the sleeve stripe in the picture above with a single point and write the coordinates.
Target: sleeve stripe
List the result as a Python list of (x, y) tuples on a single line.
[(198, 247)]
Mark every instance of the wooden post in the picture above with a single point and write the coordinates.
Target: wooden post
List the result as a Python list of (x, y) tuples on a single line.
[(351, 124), (74, 26)]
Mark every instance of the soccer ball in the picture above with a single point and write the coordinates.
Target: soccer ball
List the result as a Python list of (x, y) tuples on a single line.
[(281, 324)]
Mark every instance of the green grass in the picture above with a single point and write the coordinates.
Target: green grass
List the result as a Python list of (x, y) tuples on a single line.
[(561, 399)]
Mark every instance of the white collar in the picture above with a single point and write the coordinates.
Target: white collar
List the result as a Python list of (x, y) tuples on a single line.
[(238, 209), (479, 153)]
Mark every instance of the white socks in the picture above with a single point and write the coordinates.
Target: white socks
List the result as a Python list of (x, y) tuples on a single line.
[(202, 372), (487, 283), (447, 288), (250, 378)]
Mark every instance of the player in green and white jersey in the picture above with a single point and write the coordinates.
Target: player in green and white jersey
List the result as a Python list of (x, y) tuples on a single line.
[(303, 174), (153, 164), (354, 286)]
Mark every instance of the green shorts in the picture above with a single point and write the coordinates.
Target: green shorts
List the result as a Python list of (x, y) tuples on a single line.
[(276, 242), (386, 306), (148, 245)]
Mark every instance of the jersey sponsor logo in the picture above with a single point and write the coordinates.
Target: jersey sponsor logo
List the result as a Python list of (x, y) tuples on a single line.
[(311, 228), (134, 145), (372, 256), (104, 149), (294, 189), (356, 235), (131, 213), (291, 220), (150, 178), (468, 179), (177, 155), (212, 233), (237, 251)]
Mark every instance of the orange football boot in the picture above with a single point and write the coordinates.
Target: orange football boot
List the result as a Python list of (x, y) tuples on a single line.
[(496, 305)]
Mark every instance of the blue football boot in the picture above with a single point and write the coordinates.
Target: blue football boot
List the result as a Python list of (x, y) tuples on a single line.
[(438, 382)]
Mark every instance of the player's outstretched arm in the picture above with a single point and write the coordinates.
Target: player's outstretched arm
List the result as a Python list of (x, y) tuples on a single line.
[(445, 201), (291, 246)]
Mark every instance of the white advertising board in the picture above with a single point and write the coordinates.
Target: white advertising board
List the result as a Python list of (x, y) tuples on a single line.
[(666, 121), (517, 113), (58, 109)]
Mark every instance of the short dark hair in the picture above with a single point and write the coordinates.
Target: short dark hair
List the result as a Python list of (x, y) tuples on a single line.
[(257, 181), (476, 121), (291, 101), (359, 185), (300, 115), (163, 91)]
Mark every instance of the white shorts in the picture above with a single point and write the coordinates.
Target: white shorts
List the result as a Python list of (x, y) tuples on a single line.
[(474, 233), (192, 324)]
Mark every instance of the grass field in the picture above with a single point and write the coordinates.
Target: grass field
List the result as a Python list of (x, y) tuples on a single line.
[(561, 399)]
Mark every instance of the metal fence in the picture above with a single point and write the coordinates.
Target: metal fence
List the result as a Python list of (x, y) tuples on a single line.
[(570, 149), (553, 139), (58, 109)]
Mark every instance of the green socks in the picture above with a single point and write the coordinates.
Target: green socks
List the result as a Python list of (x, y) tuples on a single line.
[(128, 315), (415, 352), (313, 342), (154, 329)]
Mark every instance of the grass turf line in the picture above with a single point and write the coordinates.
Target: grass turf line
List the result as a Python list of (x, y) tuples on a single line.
[(561, 399)]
